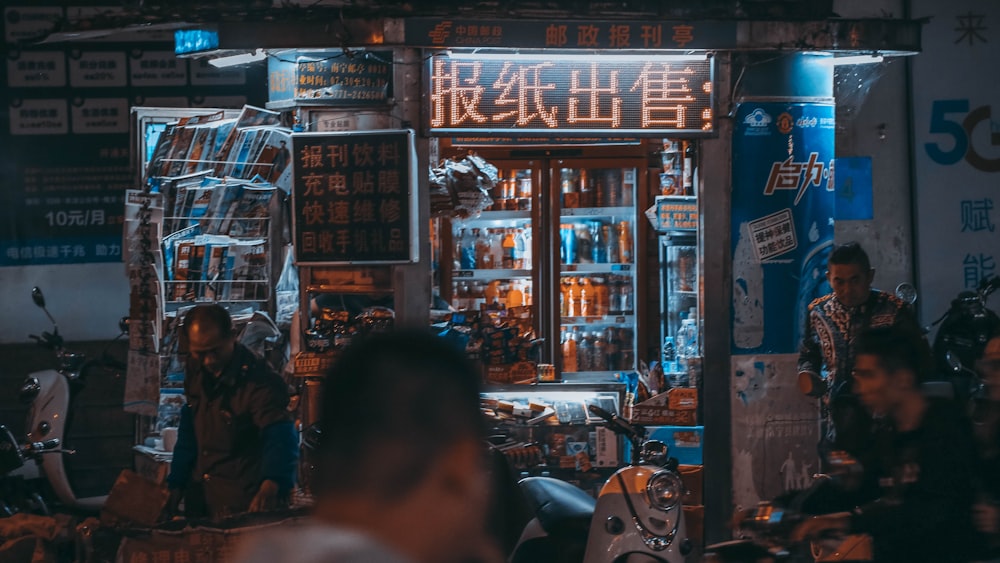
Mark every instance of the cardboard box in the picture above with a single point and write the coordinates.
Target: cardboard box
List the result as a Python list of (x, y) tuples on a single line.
[(693, 478), (519, 372), (152, 465), (685, 442), (676, 407), (133, 501)]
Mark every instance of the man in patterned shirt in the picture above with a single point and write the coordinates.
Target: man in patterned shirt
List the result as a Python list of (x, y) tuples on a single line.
[(832, 323)]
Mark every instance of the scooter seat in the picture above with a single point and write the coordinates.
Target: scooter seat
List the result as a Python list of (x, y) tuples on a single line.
[(560, 507)]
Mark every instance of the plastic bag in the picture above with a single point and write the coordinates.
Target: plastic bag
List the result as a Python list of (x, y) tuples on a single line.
[(287, 292)]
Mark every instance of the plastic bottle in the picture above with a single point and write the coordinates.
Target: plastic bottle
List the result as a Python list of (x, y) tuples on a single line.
[(669, 354), (611, 348), (687, 175), (610, 236), (584, 352), (484, 259), (586, 305), (599, 246), (467, 254), (519, 250), (600, 297), (584, 244), (625, 242), (569, 350), (625, 296), (515, 297), (509, 247), (569, 194), (599, 357), (586, 190), (572, 298)]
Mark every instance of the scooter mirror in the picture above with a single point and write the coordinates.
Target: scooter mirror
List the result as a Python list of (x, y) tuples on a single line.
[(906, 292), (123, 325), (37, 297)]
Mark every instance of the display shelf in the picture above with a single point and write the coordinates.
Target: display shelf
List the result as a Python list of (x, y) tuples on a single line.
[(591, 268), (598, 320), (570, 213), (490, 274), (603, 376), (488, 217)]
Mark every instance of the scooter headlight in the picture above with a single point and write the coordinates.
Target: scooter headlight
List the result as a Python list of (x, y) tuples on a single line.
[(665, 490)]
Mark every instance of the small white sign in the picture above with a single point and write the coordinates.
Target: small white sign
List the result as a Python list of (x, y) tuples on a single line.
[(30, 24), (37, 69), (157, 68), (100, 69), (204, 74), (100, 115), (773, 235), (39, 117)]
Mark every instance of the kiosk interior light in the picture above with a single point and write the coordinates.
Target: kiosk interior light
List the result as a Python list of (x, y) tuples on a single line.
[(858, 60), (240, 59)]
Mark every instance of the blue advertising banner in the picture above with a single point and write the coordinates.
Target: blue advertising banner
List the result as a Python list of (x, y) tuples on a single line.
[(782, 220)]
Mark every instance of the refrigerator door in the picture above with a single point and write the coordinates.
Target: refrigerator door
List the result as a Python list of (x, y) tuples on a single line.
[(680, 305), (595, 203)]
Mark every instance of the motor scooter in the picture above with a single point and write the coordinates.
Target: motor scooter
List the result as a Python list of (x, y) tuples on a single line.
[(636, 517), (771, 524), (50, 394)]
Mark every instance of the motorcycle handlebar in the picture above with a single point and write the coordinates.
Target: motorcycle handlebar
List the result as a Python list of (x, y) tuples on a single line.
[(615, 422)]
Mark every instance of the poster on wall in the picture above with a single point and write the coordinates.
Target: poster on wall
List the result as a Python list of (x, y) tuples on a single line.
[(782, 220), (956, 121), (64, 133)]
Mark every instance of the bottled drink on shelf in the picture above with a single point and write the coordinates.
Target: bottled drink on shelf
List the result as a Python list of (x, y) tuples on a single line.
[(567, 247), (523, 193), (569, 350), (573, 301), (584, 351), (611, 349), (626, 295), (687, 175), (626, 346), (587, 304), (587, 195), (599, 245), (584, 244), (568, 188), (625, 242), (509, 246), (467, 250), (515, 296), (522, 249), (599, 357)]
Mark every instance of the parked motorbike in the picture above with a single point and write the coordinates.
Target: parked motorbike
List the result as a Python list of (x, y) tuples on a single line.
[(637, 516), (963, 332), (50, 394), (771, 525)]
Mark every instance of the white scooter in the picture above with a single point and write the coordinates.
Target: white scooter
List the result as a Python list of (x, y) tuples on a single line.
[(636, 518), (49, 394)]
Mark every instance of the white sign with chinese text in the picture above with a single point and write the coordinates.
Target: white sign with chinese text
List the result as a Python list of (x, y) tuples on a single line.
[(100, 115), (100, 69), (157, 68), (24, 23), (36, 69), (773, 235), (956, 120), (38, 117)]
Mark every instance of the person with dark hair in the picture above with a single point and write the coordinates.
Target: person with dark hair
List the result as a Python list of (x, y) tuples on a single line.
[(986, 512), (237, 448), (402, 469), (924, 464), (832, 323)]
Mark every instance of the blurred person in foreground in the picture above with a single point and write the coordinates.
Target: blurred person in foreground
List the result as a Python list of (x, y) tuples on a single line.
[(925, 464), (831, 327), (402, 474), (986, 513), (237, 448)]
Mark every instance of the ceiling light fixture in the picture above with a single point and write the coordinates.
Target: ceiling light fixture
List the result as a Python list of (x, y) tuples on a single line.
[(240, 59)]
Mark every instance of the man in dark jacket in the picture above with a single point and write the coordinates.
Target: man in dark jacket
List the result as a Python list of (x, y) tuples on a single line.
[(237, 446), (925, 464), (832, 324)]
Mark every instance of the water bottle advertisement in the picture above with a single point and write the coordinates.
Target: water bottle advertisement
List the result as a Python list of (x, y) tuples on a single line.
[(782, 220)]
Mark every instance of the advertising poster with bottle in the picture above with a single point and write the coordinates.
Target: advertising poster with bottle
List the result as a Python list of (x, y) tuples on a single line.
[(782, 220), (956, 150)]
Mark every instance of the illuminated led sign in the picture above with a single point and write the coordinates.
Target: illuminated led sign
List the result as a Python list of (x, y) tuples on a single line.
[(570, 94)]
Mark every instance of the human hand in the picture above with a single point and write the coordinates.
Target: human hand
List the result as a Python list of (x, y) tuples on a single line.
[(811, 384), (814, 526), (986, 517), (266, 497)]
